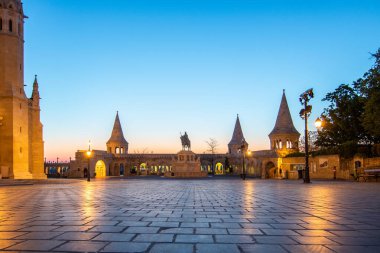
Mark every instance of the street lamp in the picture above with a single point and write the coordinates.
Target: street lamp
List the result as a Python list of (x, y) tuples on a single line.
[(243, 150), (305, 113), (318, 123), (88, 153)]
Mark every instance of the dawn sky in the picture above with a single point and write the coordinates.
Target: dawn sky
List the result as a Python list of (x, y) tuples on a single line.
[(175, 66)]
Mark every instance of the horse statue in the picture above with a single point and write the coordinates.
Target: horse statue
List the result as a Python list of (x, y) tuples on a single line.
[(185, 142)]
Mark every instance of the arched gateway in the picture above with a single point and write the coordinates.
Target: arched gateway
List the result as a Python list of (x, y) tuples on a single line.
[(100, 169)]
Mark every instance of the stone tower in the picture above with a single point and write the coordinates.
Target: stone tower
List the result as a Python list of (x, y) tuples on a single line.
[(237, 140), (21, 149), (117, 144), (284, 136)]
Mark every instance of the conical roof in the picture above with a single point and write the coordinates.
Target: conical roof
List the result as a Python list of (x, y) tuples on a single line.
[(117, 132), (284, 122), (35, 93), (238, 135)]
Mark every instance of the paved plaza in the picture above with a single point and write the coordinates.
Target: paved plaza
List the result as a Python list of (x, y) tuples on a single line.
[(206, 215)]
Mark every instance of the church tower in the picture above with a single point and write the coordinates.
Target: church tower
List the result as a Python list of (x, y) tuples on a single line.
[(117, 144), (284, 136), (21, 149), (237, 139)]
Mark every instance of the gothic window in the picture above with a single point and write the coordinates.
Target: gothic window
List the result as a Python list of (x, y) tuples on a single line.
[(121, 150), (280, 144), (10, 26), (1, 24)]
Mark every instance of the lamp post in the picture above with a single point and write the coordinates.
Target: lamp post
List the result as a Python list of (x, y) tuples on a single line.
[(242, 150), (318, 123), (244, 171), (88, 160), (305, 113)]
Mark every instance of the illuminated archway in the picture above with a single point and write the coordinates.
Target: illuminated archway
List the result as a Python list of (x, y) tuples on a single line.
[(100, 169), (270, 170), (143, 166), (219, 169)]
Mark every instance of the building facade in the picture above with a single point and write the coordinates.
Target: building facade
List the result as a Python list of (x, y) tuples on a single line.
[(116, 161), (21, 137)]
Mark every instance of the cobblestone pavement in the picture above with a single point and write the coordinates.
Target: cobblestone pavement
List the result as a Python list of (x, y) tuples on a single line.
[(210, 215)]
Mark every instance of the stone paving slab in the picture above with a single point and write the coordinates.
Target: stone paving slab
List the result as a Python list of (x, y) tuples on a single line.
[(195, 216)]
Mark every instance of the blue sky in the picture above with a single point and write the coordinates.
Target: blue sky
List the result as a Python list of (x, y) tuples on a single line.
[(171, 66)]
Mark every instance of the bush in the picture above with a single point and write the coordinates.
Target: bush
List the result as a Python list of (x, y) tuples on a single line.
[(376, 150), (326, 151), (296, 154), (348, 149)]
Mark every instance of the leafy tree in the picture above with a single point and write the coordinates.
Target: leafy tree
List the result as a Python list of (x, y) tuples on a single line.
[(342, 119), (369, 89), (353, 115)]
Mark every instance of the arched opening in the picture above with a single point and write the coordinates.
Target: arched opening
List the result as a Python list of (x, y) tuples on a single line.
[(85, 172), (1, 24), (143, 167), (219, 169), (270, 169), (121, 169), (10, 26), (100, 169)]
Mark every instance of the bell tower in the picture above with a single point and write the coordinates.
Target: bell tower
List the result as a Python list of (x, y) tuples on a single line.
[(16, 129)]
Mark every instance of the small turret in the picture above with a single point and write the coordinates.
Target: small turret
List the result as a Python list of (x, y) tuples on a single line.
[(284, 136), (35, 94), (237, 140), (117, 144)]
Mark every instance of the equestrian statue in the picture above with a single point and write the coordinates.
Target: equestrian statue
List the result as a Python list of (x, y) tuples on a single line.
[(185, 142)]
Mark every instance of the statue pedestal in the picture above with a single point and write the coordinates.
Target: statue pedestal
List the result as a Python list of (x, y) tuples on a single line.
[(186, 165)]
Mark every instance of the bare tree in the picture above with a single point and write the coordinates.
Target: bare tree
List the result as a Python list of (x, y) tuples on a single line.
[(140, 157), (212, 145), (313, 135)]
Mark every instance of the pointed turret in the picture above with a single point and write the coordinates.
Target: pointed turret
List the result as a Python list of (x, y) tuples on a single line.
[(284, 135), (237, 139), (35, 94), (117, 143)]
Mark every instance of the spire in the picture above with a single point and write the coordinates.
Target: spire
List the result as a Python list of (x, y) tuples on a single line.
[(284, 122), (237, 136), (117, 132), (35, 93)]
